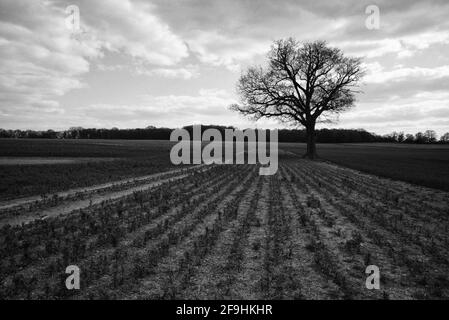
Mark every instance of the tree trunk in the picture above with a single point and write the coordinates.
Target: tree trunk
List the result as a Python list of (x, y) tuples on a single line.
[(311, 142)]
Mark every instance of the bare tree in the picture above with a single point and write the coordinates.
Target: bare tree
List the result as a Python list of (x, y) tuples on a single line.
[(302, 84)]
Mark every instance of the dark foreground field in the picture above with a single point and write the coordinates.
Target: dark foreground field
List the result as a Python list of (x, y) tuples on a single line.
[(59, 165), (426, 165), (223, 231), (109, 160)]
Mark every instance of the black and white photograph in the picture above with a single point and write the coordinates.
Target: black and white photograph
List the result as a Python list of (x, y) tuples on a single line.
[(239, 152)]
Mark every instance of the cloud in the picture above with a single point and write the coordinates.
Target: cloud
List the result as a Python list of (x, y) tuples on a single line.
[(399, 84), (217, 50), (417, 112), (169, 110), (186, 73), (132, 28), (39, 60), (42, 60), (227, 33), (378, 74)]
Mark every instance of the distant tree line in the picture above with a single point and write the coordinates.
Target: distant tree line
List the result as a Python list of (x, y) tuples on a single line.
[(285, 135), (428, 136), (330, 135), (148, 133)]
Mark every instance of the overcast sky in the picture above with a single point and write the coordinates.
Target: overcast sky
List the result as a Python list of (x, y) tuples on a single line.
[(173, 63)]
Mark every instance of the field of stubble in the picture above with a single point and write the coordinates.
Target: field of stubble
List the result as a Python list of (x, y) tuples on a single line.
[(223, 232)]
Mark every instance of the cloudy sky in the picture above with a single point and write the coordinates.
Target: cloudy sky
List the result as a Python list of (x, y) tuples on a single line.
[(175, 62)]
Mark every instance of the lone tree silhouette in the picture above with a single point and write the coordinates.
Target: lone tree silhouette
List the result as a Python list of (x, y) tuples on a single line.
[(302, 84)]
